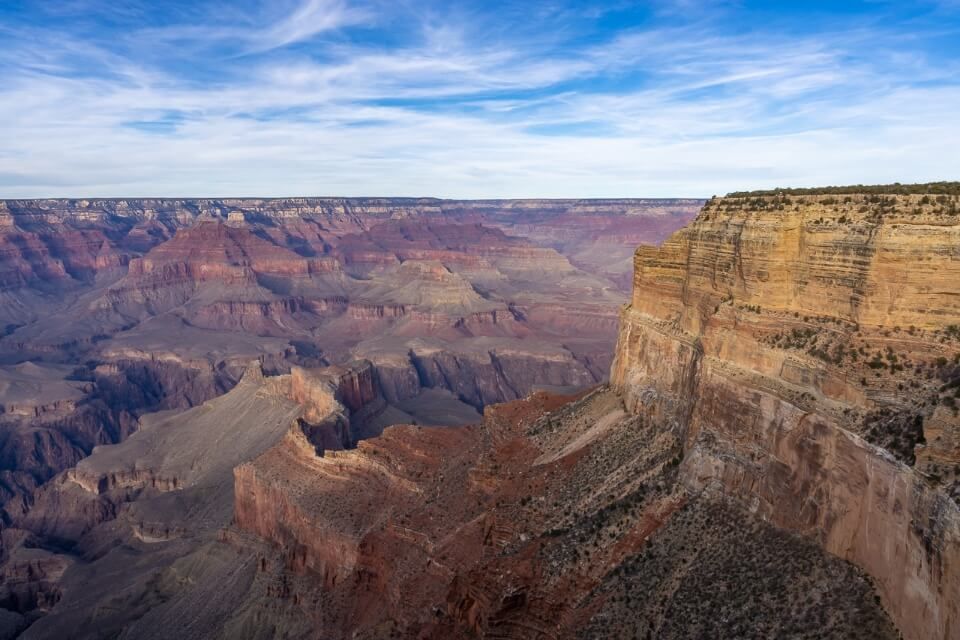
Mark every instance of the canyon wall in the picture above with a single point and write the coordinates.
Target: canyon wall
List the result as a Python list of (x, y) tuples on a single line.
[(168, 489), (773, 399), (148, 304), (189, 208), (804, 348), (554, 518)]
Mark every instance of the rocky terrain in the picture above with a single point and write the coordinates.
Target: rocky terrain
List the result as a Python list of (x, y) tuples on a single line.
[(556, 516), (98, 541), (805, 346), (774, 456), (111, 309), (781, 402)]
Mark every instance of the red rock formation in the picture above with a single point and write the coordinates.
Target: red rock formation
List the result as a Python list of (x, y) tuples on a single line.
[(158, 300), (492, 530), (24, 258), (719, 398), (214, 251)]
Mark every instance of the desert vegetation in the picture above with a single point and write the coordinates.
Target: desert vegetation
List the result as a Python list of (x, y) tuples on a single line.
[(929, 188)]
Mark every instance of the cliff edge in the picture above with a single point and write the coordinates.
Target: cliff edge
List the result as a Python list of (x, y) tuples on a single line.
[(805, 350)]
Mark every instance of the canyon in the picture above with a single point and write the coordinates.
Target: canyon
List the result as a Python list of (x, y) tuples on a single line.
[(116, 309), (406, 430), (124, 307)]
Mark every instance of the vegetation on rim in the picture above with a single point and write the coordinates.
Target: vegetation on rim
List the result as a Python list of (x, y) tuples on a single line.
[(935, 188)]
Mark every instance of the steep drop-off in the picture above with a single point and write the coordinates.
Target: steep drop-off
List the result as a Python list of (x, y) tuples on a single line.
[(785, 338), (553, 518), (783, 387), (104, 542), (774, 457)]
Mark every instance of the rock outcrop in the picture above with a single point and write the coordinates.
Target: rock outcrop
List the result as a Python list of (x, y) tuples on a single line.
[(167, 493), (777, 452), (785, 373), (479, 371), (551, 519), (53, 416), (783, 336), (774, 456)]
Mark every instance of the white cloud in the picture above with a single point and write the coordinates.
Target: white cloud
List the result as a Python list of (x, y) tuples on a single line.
[(459, 115), (309, 19)]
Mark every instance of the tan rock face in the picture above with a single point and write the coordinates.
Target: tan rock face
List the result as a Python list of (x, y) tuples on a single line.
[(784, 335), (875, 263)]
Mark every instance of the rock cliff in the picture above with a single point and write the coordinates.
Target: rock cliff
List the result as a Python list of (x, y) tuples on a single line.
[(804, 348), (555, 517), (166, 493)]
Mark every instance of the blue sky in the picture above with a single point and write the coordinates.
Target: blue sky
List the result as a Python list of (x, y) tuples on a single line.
[(473, 99)]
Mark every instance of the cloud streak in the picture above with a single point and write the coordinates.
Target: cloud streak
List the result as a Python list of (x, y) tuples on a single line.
[(309, 19), (332, 98)]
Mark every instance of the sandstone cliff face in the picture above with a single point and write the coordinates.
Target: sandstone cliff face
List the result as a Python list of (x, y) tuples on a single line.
[(781, 336)]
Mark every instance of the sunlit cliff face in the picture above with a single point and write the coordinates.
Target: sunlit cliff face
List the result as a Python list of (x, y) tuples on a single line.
[(786, 337)]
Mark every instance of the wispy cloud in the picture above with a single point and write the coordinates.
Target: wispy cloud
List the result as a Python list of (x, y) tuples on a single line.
[(331, 97), (309, 19)]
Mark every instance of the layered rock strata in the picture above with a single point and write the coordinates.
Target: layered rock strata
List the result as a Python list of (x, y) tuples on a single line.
[(158, 304), (550, 519), (782, 388), (783, 369), (783, 336), (166, 492)]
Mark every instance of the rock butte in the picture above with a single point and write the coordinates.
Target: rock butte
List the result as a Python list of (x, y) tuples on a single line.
[(133, 306)]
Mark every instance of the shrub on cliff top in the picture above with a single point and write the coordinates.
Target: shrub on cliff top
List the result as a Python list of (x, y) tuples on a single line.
[(936, 188)]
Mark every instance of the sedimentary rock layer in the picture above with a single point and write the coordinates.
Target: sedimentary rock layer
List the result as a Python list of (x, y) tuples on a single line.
[(550, 519), (166, 493), (158, 304), (785, 338)]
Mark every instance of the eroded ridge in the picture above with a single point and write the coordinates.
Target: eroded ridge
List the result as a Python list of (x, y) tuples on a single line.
[(556, 517)]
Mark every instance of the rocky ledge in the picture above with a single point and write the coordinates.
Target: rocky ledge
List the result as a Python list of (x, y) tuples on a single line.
[(804, 350)]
